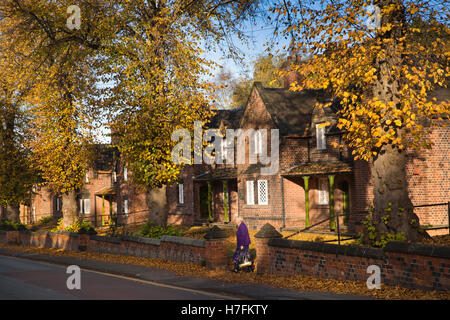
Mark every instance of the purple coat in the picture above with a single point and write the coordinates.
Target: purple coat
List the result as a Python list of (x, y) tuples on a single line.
[(242, 236)]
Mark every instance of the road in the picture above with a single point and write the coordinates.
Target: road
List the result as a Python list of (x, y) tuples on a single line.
[(28, 279)]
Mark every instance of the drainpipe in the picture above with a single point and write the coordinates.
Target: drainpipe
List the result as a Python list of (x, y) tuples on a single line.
[(103, 210), (283, 213), (306, 182), (209, 202), (332, 216), (225, 200)]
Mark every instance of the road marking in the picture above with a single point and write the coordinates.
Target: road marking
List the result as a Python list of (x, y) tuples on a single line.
[(211, 294)]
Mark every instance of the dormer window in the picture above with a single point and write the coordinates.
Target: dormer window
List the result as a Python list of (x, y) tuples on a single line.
[(320, 136)]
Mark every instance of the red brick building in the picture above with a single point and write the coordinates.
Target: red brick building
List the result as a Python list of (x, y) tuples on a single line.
[(311, 169), (107, 192)]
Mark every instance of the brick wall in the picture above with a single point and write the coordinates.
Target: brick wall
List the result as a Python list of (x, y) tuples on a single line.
[(209, 252), (402, 264)]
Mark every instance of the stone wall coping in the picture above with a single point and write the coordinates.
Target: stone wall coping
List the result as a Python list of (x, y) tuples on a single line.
[(184, 241), (105, 239), (268, 231), (419, 249), (216, 233), (356, 251), (145, 240), (41, 232), (66, 233)]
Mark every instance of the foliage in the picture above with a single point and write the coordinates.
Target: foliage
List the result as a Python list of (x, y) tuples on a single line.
[(370, 235), (45, 220), (16, 174), (265, 70), (387, 78), (8, 225), (79, 226), (151, 230), (354, 62)]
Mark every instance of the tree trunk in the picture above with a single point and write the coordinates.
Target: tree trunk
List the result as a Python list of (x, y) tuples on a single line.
[(12, 212), (69, 208), (393, 210)]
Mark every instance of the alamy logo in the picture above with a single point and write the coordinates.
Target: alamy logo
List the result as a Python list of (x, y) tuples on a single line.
[(374, 281), (373, 21), (74, 21), (74, 280), (221, 149)]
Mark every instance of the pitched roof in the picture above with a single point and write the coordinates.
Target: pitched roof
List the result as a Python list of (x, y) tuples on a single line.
[(292, 111), (105, 154), (313, 168), (231, 118), (217, 174)]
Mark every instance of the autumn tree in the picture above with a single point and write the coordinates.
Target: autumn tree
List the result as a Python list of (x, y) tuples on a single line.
[(140, 60), (159, 68), (382, 60), (16, 174), (266, 70), (53, 64)]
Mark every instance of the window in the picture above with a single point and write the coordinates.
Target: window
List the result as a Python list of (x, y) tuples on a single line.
[(125, 174), (263, 192), (125, 206), (258, 142), (58, 204), (320, 136), (323, 191), (250, 192), (114, 176), (223, 149), (34, 214), (85, 206), (87, 177), (180, 194)]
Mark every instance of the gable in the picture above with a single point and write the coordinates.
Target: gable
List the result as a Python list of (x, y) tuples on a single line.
[(256, 115)]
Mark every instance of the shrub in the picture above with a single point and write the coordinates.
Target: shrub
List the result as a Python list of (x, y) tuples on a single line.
[(151, 230), (79, 226), (370, 236), (8, 225), (45, 220)]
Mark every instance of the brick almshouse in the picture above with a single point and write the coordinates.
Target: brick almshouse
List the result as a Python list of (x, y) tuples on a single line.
[(311, 169)]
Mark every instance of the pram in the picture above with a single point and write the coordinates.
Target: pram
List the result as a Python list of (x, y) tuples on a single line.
[(242, 261)]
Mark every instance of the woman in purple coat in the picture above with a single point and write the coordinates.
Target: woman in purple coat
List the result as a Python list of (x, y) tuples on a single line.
[(243, 242)]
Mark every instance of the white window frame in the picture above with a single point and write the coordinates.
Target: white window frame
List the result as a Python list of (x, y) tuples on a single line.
[(262, 201), (323, 192), (85, 203), (320, 137), (114, 176), (181, 193), (250, 187), (58, 204), (223, 148), (125, 174), (257, 140), (87, 177), (125, 207)]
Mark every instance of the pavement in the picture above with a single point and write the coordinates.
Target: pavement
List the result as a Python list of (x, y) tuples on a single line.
[(18, 280)]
